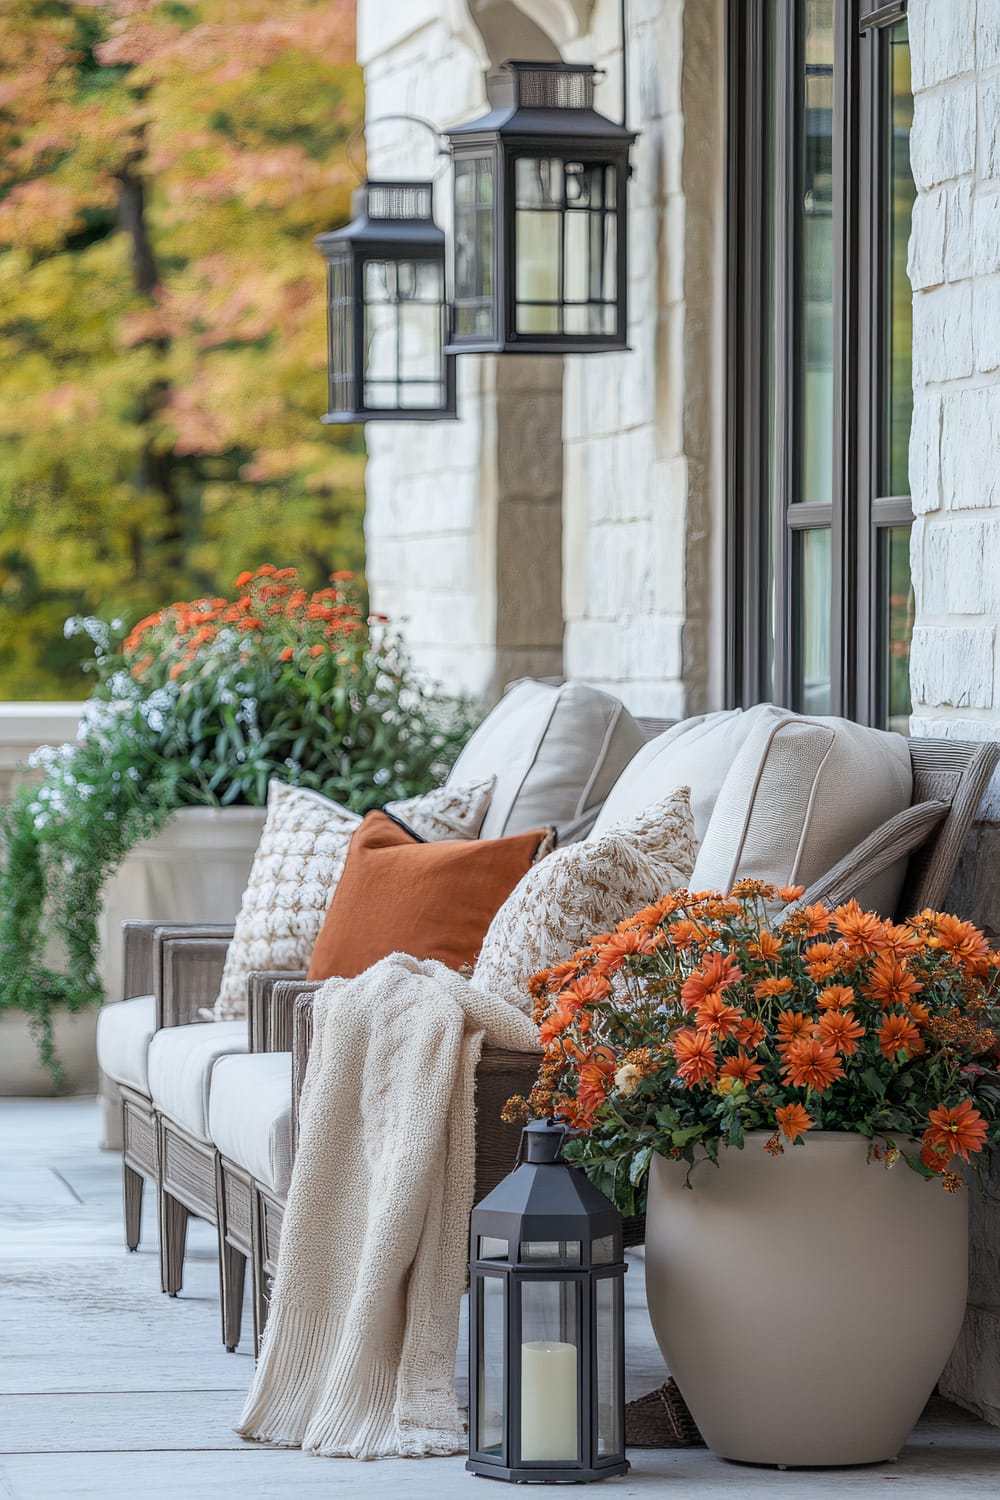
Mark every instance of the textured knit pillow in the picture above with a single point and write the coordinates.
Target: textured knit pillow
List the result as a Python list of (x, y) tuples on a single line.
[(401, 894), (298, 862), (584, 889)]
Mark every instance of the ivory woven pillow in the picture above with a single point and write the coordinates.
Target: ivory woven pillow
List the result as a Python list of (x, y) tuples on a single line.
[(583, 889), (298, 862)]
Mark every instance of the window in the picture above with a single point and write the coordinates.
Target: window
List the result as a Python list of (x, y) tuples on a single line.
[(820, 389)]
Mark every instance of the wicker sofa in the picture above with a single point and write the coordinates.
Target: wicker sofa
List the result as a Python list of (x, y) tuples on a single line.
[(238, 1177)]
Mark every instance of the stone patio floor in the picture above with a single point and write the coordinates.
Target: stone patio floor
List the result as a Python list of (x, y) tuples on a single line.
[(108, 1388)]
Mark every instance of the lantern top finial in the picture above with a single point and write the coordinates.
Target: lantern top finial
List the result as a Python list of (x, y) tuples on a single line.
[(542, 1141)]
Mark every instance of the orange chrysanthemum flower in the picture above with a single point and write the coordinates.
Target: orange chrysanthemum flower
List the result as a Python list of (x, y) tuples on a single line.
[(789, 892), (588, 989), (622, 945), (716, 1017), (793, 1120), (286, 653), (835, 997), (695, 1054), (960, 1129), (741, 1067), (861, 930), (595, 1079), (890, 983), (750, 1032), (793, 1024), (812, 1064), (817, 920), (842, 1030), (767, 946), (963, 941), (770, 989), (716, 974), (684, 933), (898, 1034)]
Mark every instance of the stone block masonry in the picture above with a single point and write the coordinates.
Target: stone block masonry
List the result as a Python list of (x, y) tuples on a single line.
[(954, 269)]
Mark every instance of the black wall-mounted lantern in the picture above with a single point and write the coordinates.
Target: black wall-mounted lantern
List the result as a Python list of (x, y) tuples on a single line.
[(546, 1324), (386, 306), (541, 228)]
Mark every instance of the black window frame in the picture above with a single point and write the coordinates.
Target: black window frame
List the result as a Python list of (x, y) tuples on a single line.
[(761, 533)]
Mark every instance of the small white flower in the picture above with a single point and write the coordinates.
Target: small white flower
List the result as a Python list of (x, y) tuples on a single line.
[(627, 1079)]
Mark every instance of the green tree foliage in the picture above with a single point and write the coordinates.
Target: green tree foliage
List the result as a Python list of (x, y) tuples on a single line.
[(164, 166)]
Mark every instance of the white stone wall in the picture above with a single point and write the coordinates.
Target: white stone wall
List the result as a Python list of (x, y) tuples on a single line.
[(429, 514), (641, 468), (955, 443), (642, 488), (955, 482)]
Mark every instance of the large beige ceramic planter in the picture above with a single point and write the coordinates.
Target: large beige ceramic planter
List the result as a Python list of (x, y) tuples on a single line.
[(805, 1304)]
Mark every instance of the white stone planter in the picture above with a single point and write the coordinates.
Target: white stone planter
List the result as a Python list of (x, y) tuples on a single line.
[(805, 1305), (194, 870), (20, 1071)]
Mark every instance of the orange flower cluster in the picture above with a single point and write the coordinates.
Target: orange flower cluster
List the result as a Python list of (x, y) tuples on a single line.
[(705, 1016), (269, 606)]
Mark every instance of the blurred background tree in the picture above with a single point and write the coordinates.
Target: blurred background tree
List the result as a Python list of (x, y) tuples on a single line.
[(164, 165)]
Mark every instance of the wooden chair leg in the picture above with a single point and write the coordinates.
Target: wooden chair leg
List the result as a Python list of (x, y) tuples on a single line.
[(132, 1182), (173, 1242), (258, 1283), (232, 1275)]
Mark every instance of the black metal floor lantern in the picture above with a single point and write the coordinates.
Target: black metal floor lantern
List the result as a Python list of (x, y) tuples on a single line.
[(386, 307), (541, 226), (546, 1324)]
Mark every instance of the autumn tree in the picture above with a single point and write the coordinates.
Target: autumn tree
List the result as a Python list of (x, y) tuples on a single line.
[(164, 167)]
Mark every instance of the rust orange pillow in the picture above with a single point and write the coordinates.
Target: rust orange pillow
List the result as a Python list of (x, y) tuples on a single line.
[(400, 894)]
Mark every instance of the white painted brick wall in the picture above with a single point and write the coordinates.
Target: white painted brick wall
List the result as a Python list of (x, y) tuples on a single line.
[(955, 440)]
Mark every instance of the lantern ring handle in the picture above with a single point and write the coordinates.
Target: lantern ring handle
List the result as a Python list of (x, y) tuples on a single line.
[(359, 131)]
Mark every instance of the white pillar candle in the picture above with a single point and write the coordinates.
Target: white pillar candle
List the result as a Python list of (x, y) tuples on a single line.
[(548, 1401)]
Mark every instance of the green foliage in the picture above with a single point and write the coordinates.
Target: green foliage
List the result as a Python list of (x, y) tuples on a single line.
[(163, 170), (203, 704)]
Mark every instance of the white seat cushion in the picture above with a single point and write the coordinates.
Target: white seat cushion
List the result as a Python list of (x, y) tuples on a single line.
[(181, 1062), (800, 793), (124, 1032), (555, 752), (696, 753), (250, 1115)]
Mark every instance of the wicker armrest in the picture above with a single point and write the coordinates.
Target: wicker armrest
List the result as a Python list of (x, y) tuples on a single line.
[(897, 837), (141, 956), (270, 1018), (190, 967)]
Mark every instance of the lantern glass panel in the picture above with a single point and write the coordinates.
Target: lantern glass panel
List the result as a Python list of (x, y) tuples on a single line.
[(550, 1371), (565, 247), (491, 1248), (606, 1251), (608, 1321), (340, 334), (550, 1252), (403, 333), (474, 195), (491, 1415)]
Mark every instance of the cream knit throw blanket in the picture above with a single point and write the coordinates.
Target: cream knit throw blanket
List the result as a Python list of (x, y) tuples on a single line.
[(359, 1351)]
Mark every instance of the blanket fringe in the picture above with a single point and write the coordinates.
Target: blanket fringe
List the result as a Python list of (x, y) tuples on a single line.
[(305, 1373)]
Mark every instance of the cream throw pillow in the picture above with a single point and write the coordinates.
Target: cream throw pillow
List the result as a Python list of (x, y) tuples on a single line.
[(583, 889), (298, 862)]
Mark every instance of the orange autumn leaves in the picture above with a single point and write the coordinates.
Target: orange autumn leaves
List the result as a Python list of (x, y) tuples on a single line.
[(743, 1020), (269, 607)]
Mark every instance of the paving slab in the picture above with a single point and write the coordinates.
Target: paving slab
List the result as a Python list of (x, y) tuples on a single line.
[(108, 1388)]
